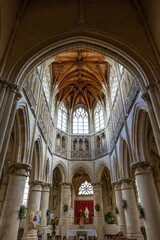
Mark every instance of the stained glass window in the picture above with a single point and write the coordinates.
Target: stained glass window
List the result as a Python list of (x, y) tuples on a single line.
[(98, 117), (80, 121), (62, 118), (85, 189)]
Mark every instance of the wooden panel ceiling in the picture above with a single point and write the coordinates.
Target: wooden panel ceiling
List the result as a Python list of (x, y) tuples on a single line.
[(80, 75)]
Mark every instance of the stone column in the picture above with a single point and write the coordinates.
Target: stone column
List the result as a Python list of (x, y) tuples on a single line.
[(65, 199), (44, 208), (155, 102), (8, 132), (9, 223), (120, 215), (131, 212), (98, 215), (152, 118), (6, 110), (149, 198), (33, 204)]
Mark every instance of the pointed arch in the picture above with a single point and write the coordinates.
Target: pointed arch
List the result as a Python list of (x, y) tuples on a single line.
[(61, 166), (81, 166), (37, 159)]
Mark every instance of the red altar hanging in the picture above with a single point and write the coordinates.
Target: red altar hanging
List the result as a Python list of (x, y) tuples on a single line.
[(80, 207)]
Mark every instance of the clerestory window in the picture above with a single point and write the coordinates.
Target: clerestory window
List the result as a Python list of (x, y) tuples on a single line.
[(85, 189), (80, 121), (62, 118), (98, 117)]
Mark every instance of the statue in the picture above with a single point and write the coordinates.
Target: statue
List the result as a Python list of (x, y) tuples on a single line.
[(86, 212)]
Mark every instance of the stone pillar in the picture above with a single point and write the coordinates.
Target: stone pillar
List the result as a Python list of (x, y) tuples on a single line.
[(8, 132), (44, 208), (6, 110), (9, 223), (98, 215), (155, 102), (149, 198), (152, 118), (64, 221), (33, 204), (120, 215), (131, 212)]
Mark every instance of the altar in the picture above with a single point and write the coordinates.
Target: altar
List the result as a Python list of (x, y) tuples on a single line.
[(90, 232)]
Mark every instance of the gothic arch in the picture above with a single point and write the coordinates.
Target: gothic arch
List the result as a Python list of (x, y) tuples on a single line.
[(37, 172), (118, 50), (99, 170), (61, 166), (81, 166), (139, 133)]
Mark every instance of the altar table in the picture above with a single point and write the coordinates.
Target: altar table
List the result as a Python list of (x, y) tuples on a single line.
[(90, 232)]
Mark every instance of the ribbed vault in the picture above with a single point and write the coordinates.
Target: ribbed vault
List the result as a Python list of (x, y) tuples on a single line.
[(80, 75)]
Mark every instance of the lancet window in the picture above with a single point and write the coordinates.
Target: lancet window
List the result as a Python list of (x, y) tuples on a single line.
[(98, 117), (80, 121), (62, 118)]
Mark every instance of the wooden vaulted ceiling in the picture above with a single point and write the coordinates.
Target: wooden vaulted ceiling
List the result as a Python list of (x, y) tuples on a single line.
[(80, 75)]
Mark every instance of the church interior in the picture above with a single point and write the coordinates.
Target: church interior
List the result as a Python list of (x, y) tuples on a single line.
[(79, 120)]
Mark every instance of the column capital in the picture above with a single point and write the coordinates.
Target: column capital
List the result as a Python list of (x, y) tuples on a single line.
[(36, 185), (46, 187), (66, 184), (19, 169), (117, 186), (12, 87), (143, 167), (126, 183), (3, 83)]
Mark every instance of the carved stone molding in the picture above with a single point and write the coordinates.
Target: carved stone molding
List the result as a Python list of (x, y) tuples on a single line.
[(117, 186), (46, 187), (66, 185), (96, 184), (126, 183), (19, 169), (36, 185), (143, 167)]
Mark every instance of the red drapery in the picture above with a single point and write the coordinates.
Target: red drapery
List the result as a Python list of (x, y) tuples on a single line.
[(81, 205)]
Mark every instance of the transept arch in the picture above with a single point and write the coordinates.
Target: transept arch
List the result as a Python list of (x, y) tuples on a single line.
[(137, 64)]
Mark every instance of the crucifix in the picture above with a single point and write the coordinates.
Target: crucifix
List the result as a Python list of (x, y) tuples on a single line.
[(80, 11)]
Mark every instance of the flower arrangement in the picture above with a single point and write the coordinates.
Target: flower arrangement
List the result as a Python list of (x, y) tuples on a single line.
[(124, 203), (116, 210), (65, 207), (109, 218), (22, 211), (97, 207), (141, 211)]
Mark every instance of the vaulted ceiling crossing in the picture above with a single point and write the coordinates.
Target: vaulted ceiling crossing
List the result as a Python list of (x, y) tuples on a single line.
[(80, 75)]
